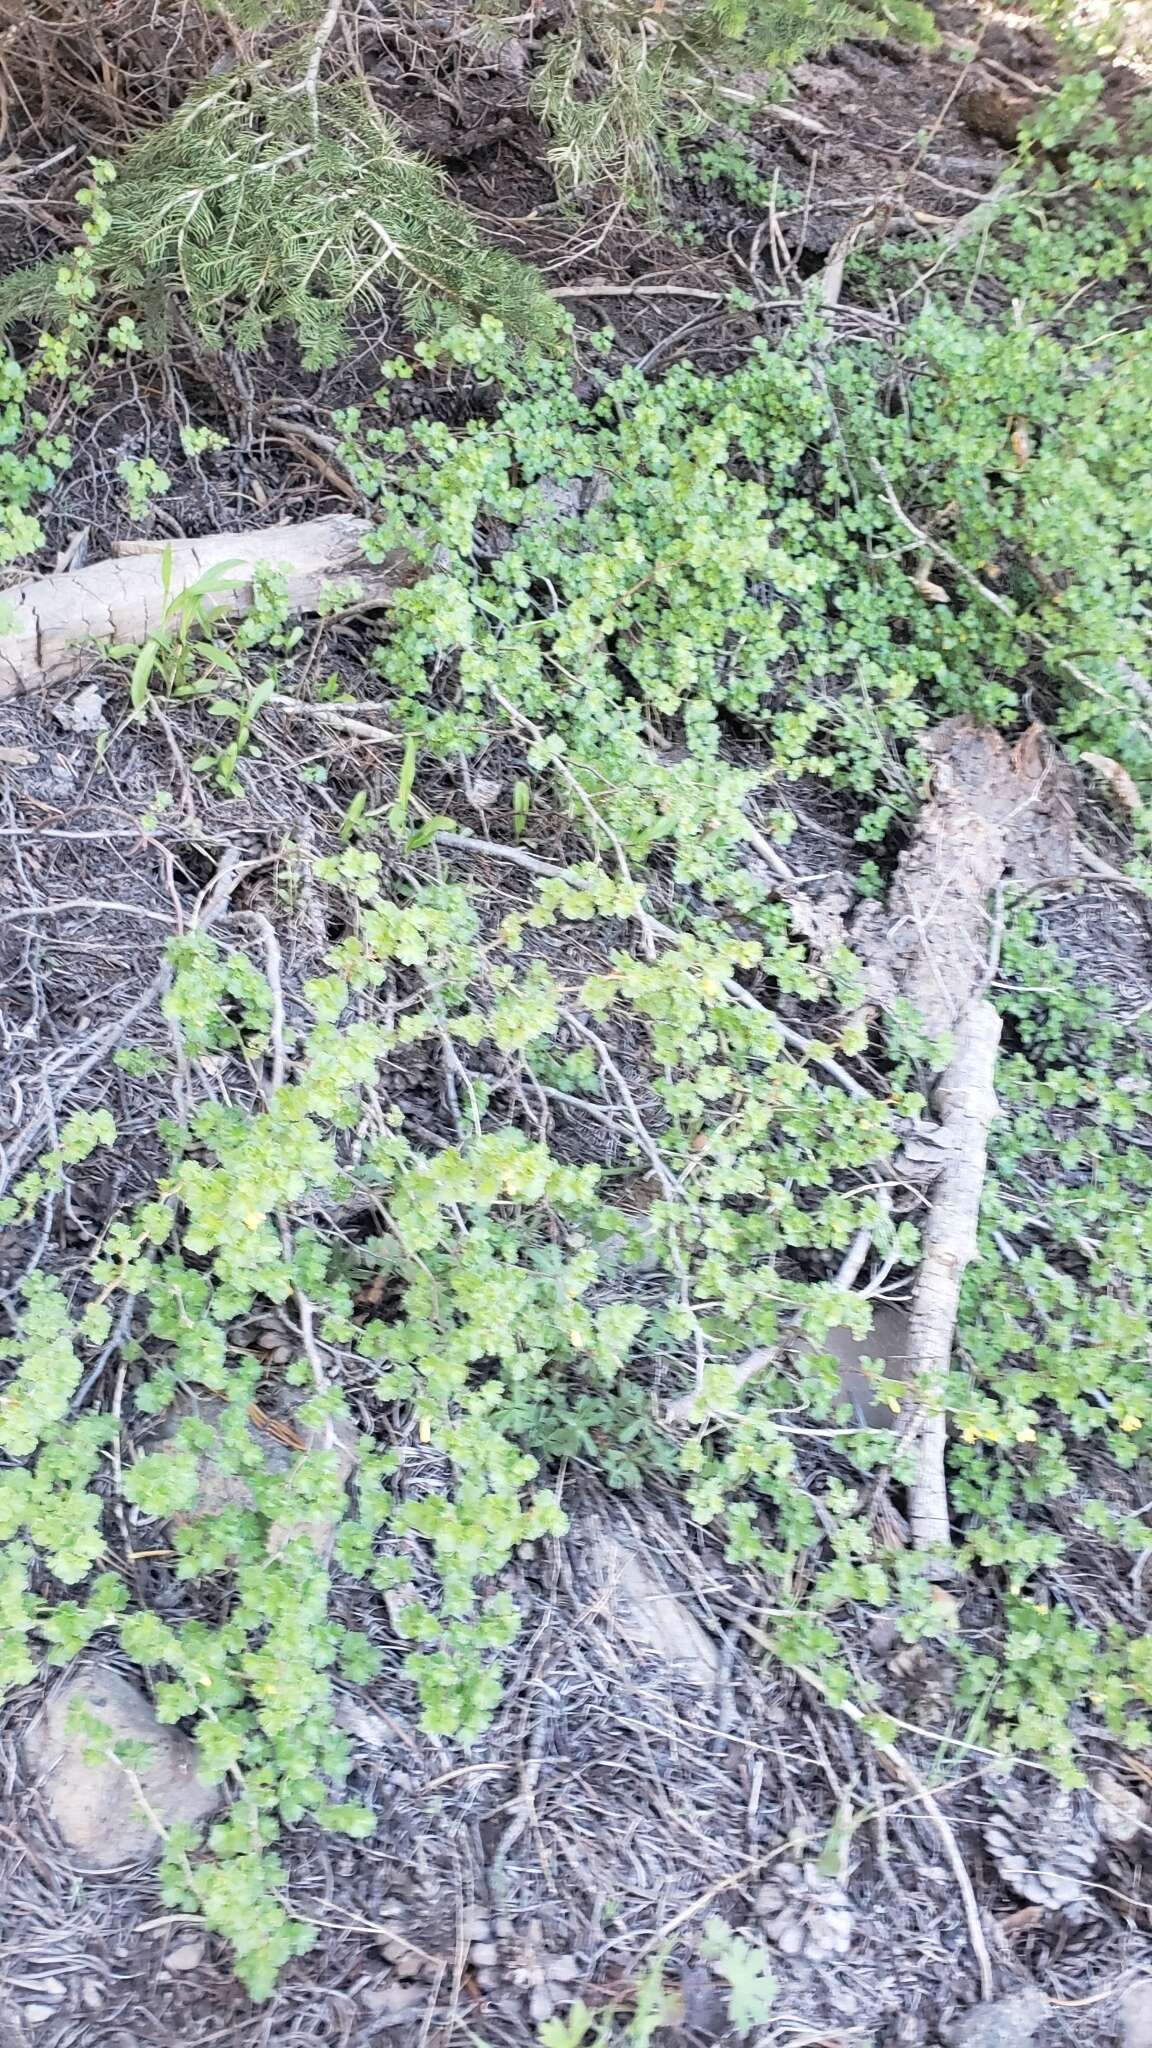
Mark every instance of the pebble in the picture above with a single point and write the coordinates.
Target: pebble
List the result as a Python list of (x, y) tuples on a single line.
[(37, 2014), (1121, 1814), (92, 1994), (910, 2032), (391, 1998), (187, 1955), (1002, 2023), (361, 1722)]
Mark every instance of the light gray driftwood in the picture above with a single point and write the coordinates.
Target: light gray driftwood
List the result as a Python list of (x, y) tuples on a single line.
[(56, 623)]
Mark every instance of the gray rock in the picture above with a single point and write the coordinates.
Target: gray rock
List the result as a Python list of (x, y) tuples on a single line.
[(889, 1342), (187, 1955), (1136, 2015), (361, 1722), (643, 1608), (1002, 2023), (37, 2014), (82, 714), (386, 1999), (218, 1489), (1120, 1813), (94, 1806)]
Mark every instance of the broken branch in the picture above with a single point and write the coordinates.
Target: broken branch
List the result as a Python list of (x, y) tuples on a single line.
[(57, 622), (966, 1101)]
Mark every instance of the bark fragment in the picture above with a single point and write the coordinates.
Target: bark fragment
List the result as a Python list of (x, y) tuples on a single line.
[(993, 810)]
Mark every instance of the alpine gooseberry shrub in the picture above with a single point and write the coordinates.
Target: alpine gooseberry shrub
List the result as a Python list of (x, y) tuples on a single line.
[(513, 1341), (510, 1345), (34, 451), (826, 547), (742, 568)]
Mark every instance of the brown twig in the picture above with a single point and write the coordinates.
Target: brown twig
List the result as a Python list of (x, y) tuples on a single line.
[(342, 721), (211, 903)]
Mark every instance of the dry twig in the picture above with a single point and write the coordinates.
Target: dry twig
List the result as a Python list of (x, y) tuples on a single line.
[(906, 1772)]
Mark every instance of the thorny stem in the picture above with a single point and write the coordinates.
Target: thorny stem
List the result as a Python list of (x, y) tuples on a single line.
[(807, 1048)]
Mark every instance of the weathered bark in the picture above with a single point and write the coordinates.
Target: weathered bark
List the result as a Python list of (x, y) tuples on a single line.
[(993, 810), (966, 1101), (60, 620)]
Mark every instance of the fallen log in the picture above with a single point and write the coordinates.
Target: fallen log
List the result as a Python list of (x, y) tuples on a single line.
[(51, 626)]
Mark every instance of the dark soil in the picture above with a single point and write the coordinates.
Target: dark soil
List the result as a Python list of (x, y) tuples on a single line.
[(617, 1800), (892, 138)]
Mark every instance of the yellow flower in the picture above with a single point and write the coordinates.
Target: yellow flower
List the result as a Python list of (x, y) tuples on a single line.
[(1027, 1435), (1130, 1423), (254, 1219)]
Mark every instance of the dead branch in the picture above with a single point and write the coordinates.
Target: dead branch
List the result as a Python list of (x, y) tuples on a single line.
[(58, 621), (994, 812), (211, 906), (966, 1102)]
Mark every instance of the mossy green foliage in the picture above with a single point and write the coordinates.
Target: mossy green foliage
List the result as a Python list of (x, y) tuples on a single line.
[(744, 546), (34, 452), (740, 565)]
